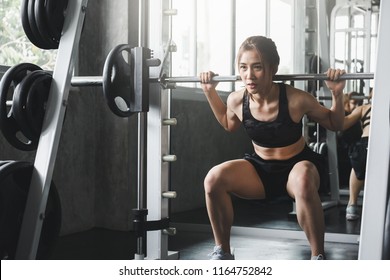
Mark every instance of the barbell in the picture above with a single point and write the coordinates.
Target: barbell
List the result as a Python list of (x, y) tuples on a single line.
[(125, 87), (83, 81)]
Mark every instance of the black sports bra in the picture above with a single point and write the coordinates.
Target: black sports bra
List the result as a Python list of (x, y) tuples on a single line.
[(281, 132), (365, 120)]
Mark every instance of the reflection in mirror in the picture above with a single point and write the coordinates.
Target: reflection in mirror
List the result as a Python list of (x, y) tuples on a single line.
[(207, 144)]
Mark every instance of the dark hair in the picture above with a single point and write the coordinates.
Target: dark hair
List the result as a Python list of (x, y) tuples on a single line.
[(264, 46)]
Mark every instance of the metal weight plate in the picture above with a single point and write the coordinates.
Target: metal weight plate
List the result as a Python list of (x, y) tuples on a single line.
[(43, 25), (323, 150), (118, 81), (37, 101), (8, 125), (26, 24), (15, 180), (2, 162), (55, 14), (28, 112), (44, 42), (19, 101), (32, 34)]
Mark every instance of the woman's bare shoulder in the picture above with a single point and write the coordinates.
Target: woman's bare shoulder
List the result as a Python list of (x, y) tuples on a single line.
[(236, 96)]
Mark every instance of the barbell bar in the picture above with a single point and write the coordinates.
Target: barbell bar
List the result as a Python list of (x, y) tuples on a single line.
[(356, 97), (86, 81), (286, 77), (81, 81)]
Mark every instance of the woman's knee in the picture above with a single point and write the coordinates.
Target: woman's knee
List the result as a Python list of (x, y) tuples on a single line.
[(304, 180), (214, 179)]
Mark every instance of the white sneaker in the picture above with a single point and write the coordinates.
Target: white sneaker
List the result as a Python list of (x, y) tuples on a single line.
[(320, 257), (352, 213), (219, 254)]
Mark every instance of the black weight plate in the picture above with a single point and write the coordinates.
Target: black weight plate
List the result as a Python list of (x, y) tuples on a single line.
[(118, 81), (15, 180), (26, 25), (43, 25), (55, 15), (19, 103), (8, 125), (44, 42), (37, 101), (2, 162), (23, 101)]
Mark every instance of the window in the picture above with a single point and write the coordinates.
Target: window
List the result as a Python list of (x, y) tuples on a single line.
[(15, 47), (202, 33), (251, 19), (281, 24), (355, 42), (208, 33)]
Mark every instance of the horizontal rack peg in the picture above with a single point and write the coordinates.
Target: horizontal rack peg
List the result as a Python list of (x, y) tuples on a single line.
[(86, 81), (169, 158)]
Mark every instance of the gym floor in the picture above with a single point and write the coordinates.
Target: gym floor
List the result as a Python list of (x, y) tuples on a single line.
[(271, 235)]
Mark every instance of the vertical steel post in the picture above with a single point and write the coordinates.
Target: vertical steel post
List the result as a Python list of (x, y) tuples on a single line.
[(142, 133), (330, 135), (158, 131)]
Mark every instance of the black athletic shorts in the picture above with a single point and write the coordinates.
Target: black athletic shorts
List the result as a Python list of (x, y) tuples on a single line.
[(274, 173), (358, 157)]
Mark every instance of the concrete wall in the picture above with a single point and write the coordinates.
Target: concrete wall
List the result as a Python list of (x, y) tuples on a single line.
[(200, 143), (103, 192)]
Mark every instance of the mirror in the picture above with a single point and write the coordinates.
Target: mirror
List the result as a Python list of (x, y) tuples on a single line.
[(205, 42)]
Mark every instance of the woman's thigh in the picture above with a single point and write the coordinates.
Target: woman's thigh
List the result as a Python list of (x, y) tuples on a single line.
[(238, 177)]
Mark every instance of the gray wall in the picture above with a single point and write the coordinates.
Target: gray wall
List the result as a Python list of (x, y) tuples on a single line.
[(95, 169), (98, 145), (199, 142)]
